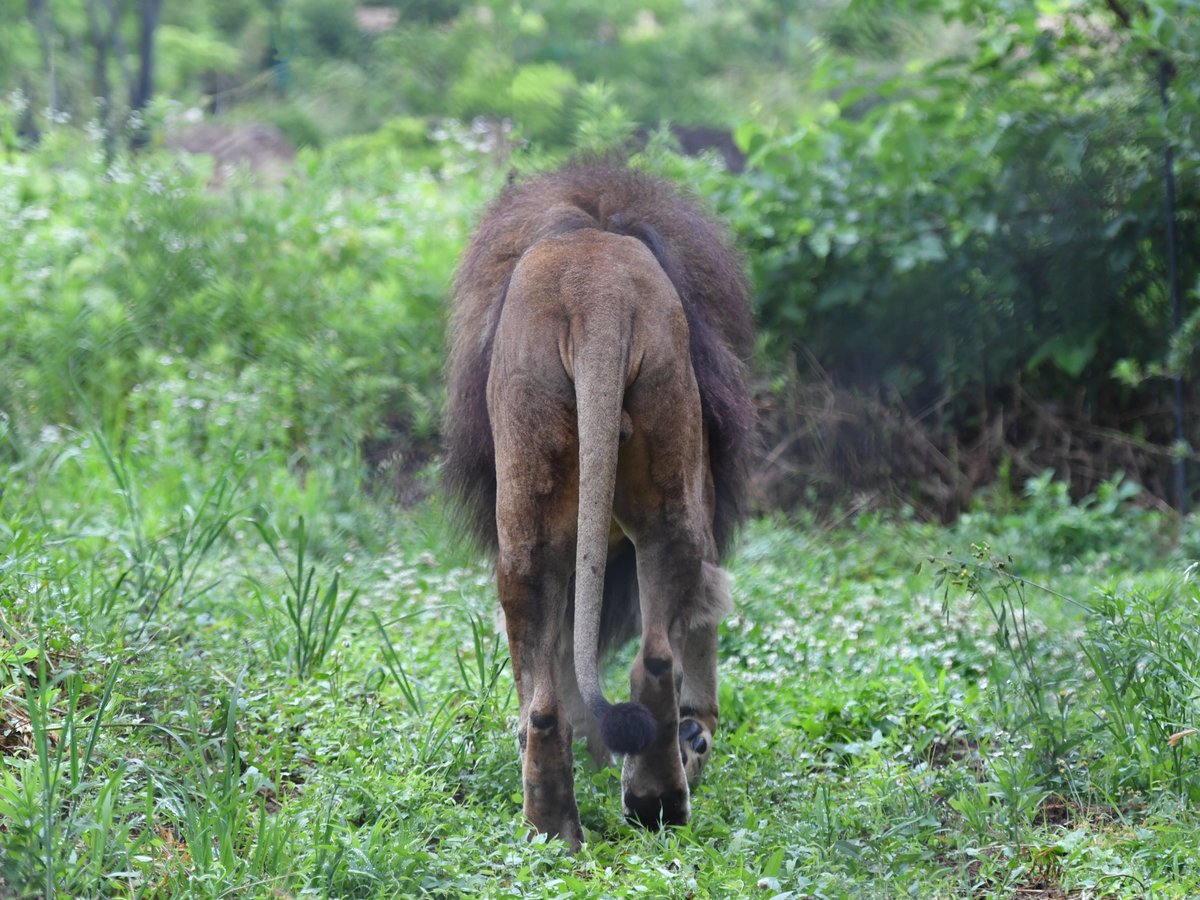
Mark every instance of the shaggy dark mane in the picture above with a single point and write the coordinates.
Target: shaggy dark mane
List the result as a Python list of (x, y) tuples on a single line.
[(695, 254)]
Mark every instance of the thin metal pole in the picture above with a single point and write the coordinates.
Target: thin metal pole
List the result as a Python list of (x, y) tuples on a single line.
[(1164, 76)]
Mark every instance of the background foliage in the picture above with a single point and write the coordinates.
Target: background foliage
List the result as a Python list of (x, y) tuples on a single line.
[(991, 219), (955, 210), (232, 663)]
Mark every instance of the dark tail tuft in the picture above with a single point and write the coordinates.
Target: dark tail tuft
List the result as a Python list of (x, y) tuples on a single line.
[(627, 728)]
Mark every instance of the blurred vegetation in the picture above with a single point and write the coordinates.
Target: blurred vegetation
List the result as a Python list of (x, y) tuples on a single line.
[(993, 218), (303, 321), (953, 210)]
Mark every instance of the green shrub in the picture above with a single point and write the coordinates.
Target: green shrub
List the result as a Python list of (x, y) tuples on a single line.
[(540, 95), (185, 56), (329, 26), (322, 301), (980, 223), (301, 128), (1045, 528), (230, 17)]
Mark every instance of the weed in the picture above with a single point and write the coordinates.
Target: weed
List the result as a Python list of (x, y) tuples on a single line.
[(449, 729), (1042, 708), (167, 565), (315, 616), (1143, 650), (55, 797)]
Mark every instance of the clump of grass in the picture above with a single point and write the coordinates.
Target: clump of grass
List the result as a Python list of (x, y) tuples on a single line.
[(168, 565), (1101, 713), (1143, 651), (62, 817), (315, 616), (478, 699), (1041, 709)]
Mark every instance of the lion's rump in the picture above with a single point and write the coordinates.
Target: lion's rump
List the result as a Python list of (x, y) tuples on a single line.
[(696, 257)]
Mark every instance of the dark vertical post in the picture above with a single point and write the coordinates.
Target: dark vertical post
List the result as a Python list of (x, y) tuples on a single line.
[(143, 86), (43, 23), (1164, 77), (101, 45)]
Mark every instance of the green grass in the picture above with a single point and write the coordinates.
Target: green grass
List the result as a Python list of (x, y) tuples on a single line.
[(895, 721), (231, 666)]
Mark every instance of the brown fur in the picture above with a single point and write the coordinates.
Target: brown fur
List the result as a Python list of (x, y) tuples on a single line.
[(597, 400), (699, 262)]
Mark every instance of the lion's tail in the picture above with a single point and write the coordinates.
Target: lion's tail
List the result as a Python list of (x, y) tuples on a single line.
[(600, 369)]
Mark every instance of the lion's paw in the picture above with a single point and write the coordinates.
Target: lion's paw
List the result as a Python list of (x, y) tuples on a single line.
[(695, 744)]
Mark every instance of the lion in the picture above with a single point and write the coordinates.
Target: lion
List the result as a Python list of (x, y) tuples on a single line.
[(597, 431)]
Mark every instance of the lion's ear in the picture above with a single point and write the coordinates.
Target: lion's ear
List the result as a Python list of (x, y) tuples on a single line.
[(716, 599)]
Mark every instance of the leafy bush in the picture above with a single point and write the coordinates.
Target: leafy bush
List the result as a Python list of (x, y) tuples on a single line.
[(185, 57), (322, 303), (540, 94), (231, 16), (301, 128), (329, 26), (980, 222), (1045, 528)]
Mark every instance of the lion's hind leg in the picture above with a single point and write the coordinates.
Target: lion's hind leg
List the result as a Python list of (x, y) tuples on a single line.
[(536, 523), (661, 504), (654, 787), (698, 697), (675, 676), (533, 593), (665, 518)]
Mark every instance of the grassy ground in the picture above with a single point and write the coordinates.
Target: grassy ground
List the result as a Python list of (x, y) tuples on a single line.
[(199, 700)]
